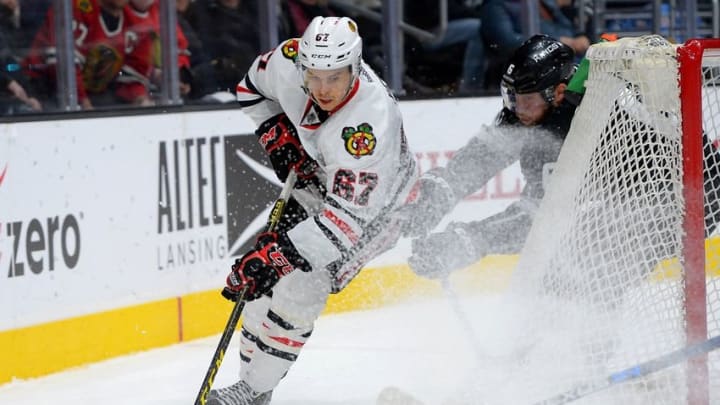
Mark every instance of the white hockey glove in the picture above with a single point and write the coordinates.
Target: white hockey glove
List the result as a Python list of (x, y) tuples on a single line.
[(439, 254), (435, 199)]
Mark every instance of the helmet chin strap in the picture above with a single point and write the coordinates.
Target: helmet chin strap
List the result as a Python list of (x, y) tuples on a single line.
[(350, 86), (354, 77)]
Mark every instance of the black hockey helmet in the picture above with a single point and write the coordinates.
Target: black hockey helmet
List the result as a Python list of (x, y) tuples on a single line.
[(538, 65)]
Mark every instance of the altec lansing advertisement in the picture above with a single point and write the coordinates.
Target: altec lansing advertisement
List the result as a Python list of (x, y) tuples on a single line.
[(98, 214)]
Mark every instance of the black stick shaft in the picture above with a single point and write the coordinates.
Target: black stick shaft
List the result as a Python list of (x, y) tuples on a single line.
[(275, 215), (220, 352)]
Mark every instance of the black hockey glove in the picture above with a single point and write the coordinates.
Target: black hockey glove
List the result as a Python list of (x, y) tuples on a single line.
[(280, 139), (260, 269), (439, 254), (435, 199)]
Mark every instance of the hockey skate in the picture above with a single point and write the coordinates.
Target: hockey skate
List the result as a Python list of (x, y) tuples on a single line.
[(238, 394)]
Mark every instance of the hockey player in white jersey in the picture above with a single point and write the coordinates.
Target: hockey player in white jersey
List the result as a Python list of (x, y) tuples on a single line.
[(322, 112), (541, 90)]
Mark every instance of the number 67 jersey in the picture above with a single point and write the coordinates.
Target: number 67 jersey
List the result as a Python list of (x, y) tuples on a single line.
[(364, 160)]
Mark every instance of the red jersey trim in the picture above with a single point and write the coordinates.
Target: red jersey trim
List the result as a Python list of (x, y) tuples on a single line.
[(350, 95), (308, 105), (287, 341), (242, 89), (342, 225)]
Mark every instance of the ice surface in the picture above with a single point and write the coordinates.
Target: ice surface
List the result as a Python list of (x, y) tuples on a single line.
[(418, 346), (350, 358)]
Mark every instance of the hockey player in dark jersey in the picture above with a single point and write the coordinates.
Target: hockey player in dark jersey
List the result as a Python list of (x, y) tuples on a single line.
[(531, 127), (540, 92)]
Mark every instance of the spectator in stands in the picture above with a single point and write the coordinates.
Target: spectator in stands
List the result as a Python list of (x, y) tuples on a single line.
[(503, 33), (194, 42), (10, 22), (32, 15), (228, 30), (371, 4), (202, 70), (13, 97), (100, 30), (463, 28), (298, 14), (582, 23), (141, 73)]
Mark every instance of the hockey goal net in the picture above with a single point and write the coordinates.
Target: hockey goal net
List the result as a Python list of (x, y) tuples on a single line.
[(621, 265)]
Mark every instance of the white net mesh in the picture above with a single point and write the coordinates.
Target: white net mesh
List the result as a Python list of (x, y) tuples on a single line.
[(600, 275)]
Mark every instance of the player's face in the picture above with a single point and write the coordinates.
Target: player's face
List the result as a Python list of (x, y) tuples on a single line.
[(530, 108), (328, 87)]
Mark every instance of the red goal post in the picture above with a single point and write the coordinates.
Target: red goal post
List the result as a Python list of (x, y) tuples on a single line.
[(692, 81)]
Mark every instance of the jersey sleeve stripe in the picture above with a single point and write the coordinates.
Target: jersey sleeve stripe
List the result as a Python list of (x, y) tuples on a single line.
[(342, 225), (403, 186), (249, 85), (247, 93), (331, 236), (241, 89), (330, 200)]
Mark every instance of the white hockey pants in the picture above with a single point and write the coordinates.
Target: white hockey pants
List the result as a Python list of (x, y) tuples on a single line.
[(276, 328)]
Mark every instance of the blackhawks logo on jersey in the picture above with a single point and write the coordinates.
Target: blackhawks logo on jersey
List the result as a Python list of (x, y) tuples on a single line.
[(102, 64), (359, 142), (85, 6), (290, 49)]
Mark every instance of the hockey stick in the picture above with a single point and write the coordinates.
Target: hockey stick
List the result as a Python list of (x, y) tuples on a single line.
[(460, 313), (392, 395), (636, 371), (273, 220), (481, 356)]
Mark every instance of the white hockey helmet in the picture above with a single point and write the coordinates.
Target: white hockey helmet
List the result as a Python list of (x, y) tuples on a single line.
[(330, 43)]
